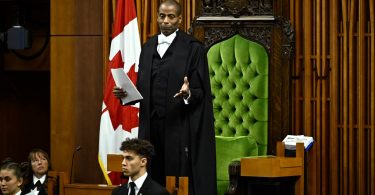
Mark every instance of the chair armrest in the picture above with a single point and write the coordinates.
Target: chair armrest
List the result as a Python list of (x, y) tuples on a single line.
[(235, 183)]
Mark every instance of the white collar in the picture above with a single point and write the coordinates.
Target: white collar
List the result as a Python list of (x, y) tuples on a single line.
[(42, 179), (139, 182), (166, 39)]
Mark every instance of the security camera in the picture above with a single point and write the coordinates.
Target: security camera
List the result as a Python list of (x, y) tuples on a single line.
[(18, 37)]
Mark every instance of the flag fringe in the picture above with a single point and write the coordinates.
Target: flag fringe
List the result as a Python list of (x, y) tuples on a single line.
[(104, 171)]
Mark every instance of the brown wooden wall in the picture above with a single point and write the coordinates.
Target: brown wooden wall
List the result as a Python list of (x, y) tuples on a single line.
[(334, 87), (76, 86)]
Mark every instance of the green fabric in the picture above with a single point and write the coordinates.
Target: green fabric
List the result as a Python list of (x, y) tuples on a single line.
[(228, 149), (239, 81)]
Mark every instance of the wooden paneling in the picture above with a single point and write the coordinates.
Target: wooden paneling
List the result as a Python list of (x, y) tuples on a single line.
[(332, 173), (76, 86), (334, 93), (76, 96), (58, 182), (371, 137), (70, 17), (114, 162), (87, 189)]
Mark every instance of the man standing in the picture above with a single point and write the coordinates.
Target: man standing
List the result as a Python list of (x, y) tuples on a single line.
[(137, 156), (176, 113)]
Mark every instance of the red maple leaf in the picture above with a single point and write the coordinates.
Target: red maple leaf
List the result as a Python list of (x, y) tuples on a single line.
[(127, 116)]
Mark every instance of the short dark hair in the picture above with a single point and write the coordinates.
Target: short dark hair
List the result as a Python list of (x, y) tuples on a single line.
[(174, 3), (140, 147)]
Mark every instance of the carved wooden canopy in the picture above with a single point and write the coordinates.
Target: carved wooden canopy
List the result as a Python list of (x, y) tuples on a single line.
[(236, 8)]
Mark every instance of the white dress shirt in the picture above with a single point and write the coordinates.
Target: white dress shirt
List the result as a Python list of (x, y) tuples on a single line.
[(42, 179), (138, 183), (164, 42)]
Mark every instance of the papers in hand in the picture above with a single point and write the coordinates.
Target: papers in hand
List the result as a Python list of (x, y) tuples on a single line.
[(122, 80), (291, 140)]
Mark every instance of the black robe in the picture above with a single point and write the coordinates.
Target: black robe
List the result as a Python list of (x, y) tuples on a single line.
[(187, 127)]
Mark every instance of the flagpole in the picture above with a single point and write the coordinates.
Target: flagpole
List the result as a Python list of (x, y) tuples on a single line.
[(114, 3)]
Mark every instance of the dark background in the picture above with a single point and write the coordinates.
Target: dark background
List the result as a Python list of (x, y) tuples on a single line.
[(25, 81)]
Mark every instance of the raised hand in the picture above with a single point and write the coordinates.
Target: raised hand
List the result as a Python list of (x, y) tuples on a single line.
[(185, 90)]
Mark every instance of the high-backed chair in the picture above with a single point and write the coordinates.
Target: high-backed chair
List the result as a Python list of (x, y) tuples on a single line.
[(249, 51), (239, 79)]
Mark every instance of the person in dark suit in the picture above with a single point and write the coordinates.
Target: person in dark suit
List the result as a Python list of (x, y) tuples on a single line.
[(137, 155), (39, 164), (176, 113)]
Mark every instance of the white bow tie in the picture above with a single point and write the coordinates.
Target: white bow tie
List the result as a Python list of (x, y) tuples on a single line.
[(163, 39)]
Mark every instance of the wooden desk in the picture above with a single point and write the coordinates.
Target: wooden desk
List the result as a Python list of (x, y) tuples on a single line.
[(277, 166), (114, 162), (87, 189), (57, 181)]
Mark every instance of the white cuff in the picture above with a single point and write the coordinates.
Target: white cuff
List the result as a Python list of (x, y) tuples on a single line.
[(186, 101)]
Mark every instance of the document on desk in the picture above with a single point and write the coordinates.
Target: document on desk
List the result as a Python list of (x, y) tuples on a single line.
[(122, 80), (290, 141)]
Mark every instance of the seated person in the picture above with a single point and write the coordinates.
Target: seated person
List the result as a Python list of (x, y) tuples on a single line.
[(137, 155), (39, 165), (11, 177)]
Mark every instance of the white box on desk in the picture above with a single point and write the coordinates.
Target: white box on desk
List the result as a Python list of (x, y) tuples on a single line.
[(291, 140)]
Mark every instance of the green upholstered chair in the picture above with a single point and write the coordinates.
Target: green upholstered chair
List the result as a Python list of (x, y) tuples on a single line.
[(239, 80), (250, 52)]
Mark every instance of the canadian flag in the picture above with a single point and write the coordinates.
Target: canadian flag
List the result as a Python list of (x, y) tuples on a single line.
[(119, 122)]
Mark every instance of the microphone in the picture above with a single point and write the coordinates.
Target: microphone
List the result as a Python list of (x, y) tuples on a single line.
[(78, 148)]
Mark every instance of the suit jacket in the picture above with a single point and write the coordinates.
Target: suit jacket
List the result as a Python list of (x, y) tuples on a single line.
[(30, 186), (149, 187)]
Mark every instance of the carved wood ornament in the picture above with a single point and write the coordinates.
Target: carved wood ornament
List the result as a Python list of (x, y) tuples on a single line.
[(236, 8)]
